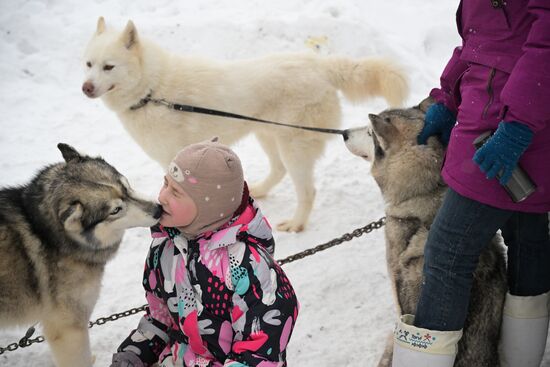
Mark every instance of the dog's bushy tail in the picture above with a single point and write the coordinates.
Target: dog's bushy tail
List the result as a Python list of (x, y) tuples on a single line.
[(364, 78)]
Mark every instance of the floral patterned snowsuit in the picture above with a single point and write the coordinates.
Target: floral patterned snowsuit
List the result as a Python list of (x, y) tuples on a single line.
[(217, 300)]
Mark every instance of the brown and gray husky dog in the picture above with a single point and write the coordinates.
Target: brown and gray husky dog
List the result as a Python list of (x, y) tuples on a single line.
[(56, 235), (409, 177)]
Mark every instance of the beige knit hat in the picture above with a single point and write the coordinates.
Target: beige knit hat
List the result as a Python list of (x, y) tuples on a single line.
[(212, 175)]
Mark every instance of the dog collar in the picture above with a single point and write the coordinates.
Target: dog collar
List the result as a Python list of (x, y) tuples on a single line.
[(142, 102)]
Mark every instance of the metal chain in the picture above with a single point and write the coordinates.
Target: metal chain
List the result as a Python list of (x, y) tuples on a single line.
[(337, 241), (26, 341), (115, 316)]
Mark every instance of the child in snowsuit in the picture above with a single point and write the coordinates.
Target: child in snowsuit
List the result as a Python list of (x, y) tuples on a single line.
[(216, 296)]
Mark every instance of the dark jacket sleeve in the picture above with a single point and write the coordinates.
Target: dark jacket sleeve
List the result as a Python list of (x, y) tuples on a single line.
[(527, 91)]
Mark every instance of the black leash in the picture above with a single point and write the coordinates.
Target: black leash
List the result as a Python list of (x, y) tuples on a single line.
[(207, 111)]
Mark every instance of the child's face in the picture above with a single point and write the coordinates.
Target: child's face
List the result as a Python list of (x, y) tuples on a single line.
[(179, 210)]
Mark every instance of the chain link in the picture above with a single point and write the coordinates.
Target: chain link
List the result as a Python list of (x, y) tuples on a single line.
[(337, 241), (115, 316), (26, 341)]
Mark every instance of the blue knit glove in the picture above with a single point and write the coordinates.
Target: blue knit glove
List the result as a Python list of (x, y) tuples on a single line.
[(500, 154), (439, 121), (126, 359)]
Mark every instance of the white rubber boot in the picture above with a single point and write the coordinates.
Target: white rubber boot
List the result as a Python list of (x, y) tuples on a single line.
[(416, 347), (524, 330)]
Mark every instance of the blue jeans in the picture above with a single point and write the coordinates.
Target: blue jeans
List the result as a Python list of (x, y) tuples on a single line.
[(461, 229)]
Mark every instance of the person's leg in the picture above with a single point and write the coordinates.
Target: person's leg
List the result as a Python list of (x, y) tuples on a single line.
[(461, 230), (525, 319), (528, 240)]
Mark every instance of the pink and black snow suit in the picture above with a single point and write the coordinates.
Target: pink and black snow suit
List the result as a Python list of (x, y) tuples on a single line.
[(217, 300)]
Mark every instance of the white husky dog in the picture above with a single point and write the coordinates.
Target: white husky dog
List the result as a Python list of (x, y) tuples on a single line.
[(301, 89)]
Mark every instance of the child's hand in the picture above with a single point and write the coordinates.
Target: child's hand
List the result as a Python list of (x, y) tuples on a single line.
[(126, 359)]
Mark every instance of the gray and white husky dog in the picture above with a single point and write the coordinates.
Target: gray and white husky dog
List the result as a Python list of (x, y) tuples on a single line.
[(56, 235), (409, 178)]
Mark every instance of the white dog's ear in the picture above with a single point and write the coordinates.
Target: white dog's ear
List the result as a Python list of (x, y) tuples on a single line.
[(100, 25), (129, 35)]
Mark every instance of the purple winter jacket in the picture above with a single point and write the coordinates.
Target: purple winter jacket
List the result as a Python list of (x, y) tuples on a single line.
[(500, 73)]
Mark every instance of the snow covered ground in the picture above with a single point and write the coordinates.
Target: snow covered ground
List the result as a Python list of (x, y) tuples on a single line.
[(347, 308)]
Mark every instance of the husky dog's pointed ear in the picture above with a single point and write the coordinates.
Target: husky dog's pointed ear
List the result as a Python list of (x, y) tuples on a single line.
[(425, 104), (69, 153), (100, 25), (70, 216), (129, 35), (384, 129)]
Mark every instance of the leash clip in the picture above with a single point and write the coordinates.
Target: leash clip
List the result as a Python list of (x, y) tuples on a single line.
[(163, 102)]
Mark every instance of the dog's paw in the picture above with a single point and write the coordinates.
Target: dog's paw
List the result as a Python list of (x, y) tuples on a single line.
[(290, 226)]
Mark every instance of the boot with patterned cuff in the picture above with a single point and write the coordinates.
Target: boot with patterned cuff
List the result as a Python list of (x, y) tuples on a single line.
[(417, 347)]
